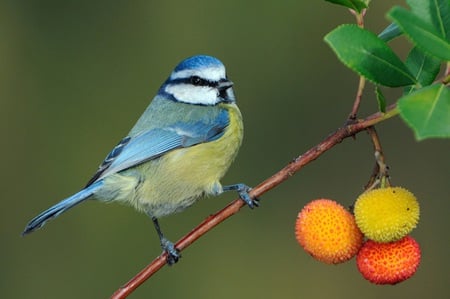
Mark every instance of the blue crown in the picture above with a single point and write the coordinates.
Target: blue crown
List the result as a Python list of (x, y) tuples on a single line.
[(198, 61)]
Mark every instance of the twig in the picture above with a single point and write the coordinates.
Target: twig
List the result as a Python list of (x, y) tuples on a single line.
[(380, 172), (446, 79), (362, 81), (281, 176), (359, 93), (359, 16)]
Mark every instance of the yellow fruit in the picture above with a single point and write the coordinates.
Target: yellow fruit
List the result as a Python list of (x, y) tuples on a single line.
[(386, 214), (328, 232)]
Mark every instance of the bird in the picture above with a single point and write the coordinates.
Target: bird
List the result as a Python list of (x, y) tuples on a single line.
[(176, 153)]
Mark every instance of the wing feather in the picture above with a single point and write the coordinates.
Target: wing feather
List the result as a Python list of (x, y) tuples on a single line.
[(132, 151)]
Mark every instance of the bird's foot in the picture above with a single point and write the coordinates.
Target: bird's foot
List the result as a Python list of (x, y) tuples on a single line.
[(243, 190), (173, 254)]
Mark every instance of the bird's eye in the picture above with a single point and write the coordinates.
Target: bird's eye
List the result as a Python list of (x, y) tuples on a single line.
[(197, 81)]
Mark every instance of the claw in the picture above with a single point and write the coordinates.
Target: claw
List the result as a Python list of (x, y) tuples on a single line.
[(173, 255), (243, 190)]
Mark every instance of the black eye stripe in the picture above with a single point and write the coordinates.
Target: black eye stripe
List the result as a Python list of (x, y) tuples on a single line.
[(194, 80), (197, 81)]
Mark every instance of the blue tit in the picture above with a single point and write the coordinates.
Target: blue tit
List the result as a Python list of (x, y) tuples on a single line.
[(176, 153)]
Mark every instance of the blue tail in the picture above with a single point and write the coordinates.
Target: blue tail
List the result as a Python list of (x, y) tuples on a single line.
[(61, 207)]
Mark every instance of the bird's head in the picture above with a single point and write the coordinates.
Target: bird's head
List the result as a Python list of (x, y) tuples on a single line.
[(199, 80)]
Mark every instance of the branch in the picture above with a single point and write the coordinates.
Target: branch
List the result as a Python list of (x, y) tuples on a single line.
[(270, 183)]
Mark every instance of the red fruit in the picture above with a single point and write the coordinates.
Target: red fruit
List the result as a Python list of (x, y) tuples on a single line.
[(389, 263)]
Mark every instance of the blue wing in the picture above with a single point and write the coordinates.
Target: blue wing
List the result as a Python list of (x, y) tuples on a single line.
[(132, 151)]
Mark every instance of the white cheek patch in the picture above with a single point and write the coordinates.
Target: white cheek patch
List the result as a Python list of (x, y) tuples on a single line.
[(191, 94), (209, 73)]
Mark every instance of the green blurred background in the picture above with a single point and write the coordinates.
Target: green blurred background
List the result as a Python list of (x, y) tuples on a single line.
[(74, 77)]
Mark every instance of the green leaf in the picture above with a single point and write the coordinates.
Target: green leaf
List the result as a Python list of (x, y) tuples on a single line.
[(422, 9), (441, 17), (390, 32), (381, 99), (368, 55), (423, 34), (436, 13), (357, 5), (424, 67), (444, 16), (427, 111)]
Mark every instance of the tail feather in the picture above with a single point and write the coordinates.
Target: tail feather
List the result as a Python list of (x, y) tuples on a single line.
[(56, 210)]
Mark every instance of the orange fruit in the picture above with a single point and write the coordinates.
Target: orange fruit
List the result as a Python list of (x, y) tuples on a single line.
[(328, 232)]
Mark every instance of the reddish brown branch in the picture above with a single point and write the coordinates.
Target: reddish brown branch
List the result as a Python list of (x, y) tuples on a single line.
[(281, 176)]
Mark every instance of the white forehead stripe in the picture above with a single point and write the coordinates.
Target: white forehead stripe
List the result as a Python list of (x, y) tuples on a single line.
[(208, 73), (187, 93)]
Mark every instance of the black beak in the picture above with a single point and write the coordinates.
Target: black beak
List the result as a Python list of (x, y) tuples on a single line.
[(224, 85), (224, 92)]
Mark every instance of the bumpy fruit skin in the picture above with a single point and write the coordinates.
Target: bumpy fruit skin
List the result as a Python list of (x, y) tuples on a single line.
[(388, 263), (328, 232), (386, 214)]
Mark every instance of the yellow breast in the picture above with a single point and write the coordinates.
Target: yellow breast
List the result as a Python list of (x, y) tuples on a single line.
[(177, 179)]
